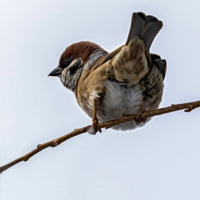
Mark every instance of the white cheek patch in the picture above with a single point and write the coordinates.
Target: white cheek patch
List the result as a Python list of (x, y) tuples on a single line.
[(70, 78), (75, 62)]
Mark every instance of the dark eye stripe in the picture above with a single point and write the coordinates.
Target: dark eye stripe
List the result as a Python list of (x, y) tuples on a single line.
[(74, 68)]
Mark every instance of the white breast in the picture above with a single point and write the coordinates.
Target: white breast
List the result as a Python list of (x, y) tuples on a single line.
[(118, 101)]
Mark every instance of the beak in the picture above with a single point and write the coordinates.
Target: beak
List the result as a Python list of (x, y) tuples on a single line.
[(56, 72)]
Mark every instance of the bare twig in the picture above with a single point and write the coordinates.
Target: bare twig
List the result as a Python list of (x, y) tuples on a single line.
[(53, 143)]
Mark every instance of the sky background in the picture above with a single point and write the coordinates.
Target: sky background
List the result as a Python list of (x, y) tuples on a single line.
[(159, 161)]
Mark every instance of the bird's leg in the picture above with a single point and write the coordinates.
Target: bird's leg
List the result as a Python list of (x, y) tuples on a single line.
[(94, 127), (139, 118)]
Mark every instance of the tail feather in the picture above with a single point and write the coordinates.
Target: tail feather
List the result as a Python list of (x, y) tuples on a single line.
[(146, 27), (150, 18), (152, 27), (137, 27), (133, 61)]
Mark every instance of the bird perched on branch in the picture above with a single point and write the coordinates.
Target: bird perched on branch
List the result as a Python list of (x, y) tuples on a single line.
[(107, 86)]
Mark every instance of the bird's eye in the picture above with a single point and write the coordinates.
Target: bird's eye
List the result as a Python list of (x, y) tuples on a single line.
[(67, 61)]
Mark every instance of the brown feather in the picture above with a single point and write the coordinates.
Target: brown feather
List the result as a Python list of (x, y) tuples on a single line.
[(152, 87), (80, 50)]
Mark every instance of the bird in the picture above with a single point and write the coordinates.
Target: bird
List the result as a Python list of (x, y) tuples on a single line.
[(128, 80)]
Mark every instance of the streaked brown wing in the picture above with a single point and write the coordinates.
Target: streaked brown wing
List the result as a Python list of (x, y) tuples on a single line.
[(110, 56), (104, 59)]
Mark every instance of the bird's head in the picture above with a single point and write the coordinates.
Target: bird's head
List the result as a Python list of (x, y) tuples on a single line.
[(72, 62)]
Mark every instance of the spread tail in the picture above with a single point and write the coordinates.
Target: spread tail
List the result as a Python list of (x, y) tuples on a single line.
[(144, 26)]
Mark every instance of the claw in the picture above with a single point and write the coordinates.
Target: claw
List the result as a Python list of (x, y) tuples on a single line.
[(92, 129)]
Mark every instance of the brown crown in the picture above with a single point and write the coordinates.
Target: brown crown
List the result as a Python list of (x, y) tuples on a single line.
[(80, 50)]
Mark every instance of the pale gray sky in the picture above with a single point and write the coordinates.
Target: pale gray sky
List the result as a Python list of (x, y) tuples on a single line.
[(157, 162)]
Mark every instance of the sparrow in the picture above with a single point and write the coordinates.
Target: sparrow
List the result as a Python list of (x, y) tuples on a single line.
[(107, 86)]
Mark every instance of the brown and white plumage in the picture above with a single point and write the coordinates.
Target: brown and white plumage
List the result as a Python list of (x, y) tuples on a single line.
[(110, 85)]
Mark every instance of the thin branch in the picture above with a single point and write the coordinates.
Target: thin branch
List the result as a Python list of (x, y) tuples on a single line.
[(53, 143)]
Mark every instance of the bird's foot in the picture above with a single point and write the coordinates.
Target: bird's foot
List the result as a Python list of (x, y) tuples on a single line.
[(139, 118), (93, 129)]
